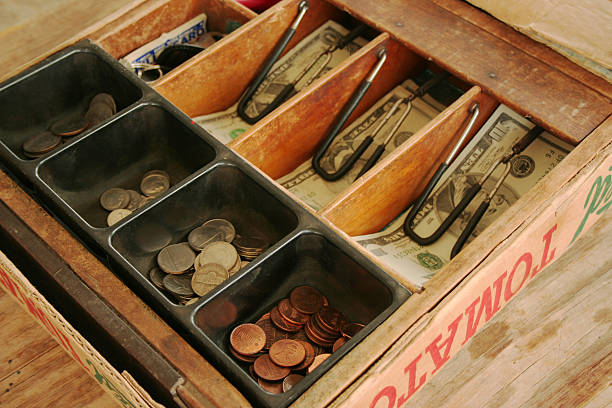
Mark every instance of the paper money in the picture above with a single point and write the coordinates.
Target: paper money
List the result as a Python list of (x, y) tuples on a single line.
[(186, 33), (305, 183), (227, 125), (417, 263)]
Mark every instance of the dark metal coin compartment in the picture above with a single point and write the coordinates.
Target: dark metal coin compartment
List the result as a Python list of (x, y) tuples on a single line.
[(224, 191), (55, 89), (309, 258), (118, 155), (209, 181)]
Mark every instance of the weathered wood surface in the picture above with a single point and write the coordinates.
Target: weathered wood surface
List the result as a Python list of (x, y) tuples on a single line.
[(550, 97), (551, 346), (280, 142), (44, 27), (35, 371), (385, 191)]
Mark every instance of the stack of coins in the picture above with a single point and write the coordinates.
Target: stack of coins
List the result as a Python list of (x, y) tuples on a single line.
[(101, 107), (122, 203), (251, 247), (191, 269), (297, 335)]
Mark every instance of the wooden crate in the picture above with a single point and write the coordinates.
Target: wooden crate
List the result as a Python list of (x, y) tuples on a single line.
[(502, 66)]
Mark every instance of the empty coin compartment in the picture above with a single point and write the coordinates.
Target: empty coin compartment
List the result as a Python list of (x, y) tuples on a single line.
[(32, 102), (118, 155), (224, 191), (308, 259)]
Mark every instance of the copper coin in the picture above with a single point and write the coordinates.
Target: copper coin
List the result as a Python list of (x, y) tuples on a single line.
[(104, 99), (117, 215), (248, 339), (266, 369), (315, 338), (318, 360), (287, 353), (291, 314), (220, 313), (306, 299), (98, 113), (331, 319), (114, 199), (308, 358), (290, 381), (176, 258), (41, 143), (322, 330), (348, 330), (339, 343), (272, 333), (243, 358), (252, 372), (273, 387), (299, 335), (281, 323), (69, 126)]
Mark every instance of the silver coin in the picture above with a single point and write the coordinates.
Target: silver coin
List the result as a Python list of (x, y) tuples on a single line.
[(157, 276), (117, 215), (176, 258), (201, 236), (135, 200), (222, 225), (114, 199), (208, 277), (179, 285), (219, 252), (155, 183)]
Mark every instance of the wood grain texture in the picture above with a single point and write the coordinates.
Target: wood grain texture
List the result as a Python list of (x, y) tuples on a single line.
[(385, 191), (551, 346), (281, 142), (550, 97), (214, 79)]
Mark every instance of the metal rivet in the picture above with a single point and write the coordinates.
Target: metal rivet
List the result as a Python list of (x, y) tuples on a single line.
[(492, 75)]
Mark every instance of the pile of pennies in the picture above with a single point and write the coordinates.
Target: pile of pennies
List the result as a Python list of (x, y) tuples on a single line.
[(191, 269), (101, 107), (121, 202), (291, 340)]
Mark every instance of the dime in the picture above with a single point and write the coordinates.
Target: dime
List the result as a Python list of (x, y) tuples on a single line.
[(318, 360), (179, 285), (348, 330), (114, 198), (208, 277), (135, 200), (157, 276), (219, 252), (69, 126), (281, 323), (248, 339), (266, 369), (154, 183), (117, 215), (339, 343), (309, 356), (306, 299), (243, 358), (176, 258), (273, 387), (223, 226), (290, 313), (287, 353), (40, 144), (290, 380)]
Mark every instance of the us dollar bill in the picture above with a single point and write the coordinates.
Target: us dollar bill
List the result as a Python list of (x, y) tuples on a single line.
[(305, 183), (227, 125), (505, 127)]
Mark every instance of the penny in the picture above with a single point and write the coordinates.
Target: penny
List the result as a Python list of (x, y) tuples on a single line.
[(273, 387), (223, 226), (104, 99), (308, 358), (219, 252), (117, 215), (155, 183), (319, 328), (69, 126), (252, 372), (291, 380), (98, 113), (135, 200), (316, 337), (299, 335), (41, 143), (246, 359), (331, 319), (157, 276), (290, 313), (179, 285), (272, 333), (266, 369), (306, 299), (248, 339), (281, 323), (208, 277), (338, 343), (287, 353), (114, 198), (348, 330), (318, 360), (176, 258)]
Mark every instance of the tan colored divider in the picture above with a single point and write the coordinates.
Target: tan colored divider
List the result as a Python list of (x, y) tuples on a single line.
[(390, 186)]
